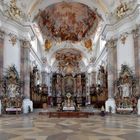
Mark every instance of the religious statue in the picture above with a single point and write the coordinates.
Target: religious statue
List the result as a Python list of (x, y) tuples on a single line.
[(102, 77), (125, 95), (36, 75), (12, 90), (125, 90)]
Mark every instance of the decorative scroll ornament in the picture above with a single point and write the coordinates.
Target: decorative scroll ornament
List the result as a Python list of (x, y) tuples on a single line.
[(13, 39), (122, 10)]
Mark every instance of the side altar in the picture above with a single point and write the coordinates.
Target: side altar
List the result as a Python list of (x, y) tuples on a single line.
[(11, 95), (126, 91)]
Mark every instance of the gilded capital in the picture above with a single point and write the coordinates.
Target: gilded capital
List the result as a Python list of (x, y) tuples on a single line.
[(111, 43), (25, 43), (135, 32)]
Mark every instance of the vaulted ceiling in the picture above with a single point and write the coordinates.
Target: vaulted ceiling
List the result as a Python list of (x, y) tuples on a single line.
[(68, 27)]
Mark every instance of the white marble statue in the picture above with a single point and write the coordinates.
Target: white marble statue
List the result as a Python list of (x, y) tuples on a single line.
[(125, 90), (12, 90)]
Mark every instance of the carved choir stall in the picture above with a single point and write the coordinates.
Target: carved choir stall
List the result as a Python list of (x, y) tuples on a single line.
[(127, 95), (38, 92), (62, 86)]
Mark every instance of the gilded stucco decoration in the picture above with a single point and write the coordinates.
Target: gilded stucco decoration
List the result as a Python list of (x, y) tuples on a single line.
[(88, 44), (13, 11), (123, 38), (122, 10), (48, 45), (13, 39)]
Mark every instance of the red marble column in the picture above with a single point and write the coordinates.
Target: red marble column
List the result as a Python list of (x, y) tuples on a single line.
[(25, 67), (1, 52), (136, 38), (111, 73), (111, 66)]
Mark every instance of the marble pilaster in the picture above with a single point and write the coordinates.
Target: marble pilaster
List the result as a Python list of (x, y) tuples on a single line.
[(25, 67), (112, 73), (1, 52), (25, 75), (2, 34), (136, 38), (112, 66)]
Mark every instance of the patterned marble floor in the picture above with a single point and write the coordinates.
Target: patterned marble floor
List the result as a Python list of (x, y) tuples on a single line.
[(37, 127)]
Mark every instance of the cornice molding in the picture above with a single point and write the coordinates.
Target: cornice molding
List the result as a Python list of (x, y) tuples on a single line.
[(15, 27)]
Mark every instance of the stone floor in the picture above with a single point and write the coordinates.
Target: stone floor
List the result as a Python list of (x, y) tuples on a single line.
[(38, 127)]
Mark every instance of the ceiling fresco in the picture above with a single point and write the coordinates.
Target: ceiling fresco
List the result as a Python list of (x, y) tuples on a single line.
[(67, 21), (68, 60)]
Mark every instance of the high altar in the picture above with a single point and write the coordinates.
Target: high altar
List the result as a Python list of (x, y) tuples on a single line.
[(74, 85)]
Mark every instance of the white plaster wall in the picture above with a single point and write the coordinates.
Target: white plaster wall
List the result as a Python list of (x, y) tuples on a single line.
[(125, 53), (11, 54)]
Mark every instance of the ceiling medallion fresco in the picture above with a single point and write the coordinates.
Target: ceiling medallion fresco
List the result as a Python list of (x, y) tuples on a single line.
[(48, 45), (68, 60), (67, 21), (88, 44)]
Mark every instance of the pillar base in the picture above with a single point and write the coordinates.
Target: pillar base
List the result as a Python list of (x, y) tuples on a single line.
[(27, 106), (110, 103), (138, 106)]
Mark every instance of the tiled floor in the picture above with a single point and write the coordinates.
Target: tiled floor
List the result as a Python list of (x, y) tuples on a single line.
[(37, 127)]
